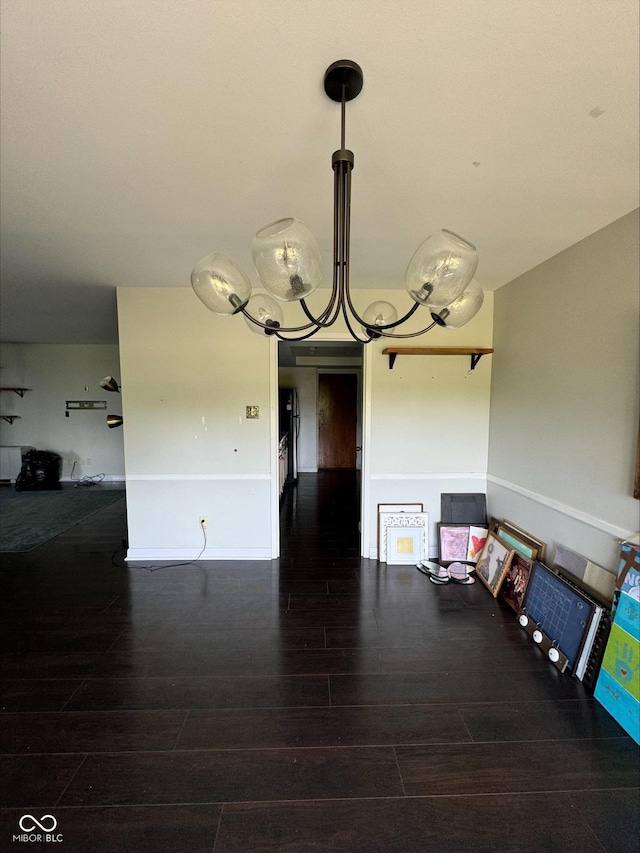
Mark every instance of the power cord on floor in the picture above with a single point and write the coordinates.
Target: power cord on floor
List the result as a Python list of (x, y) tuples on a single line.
[(85, 481), (124, 565)]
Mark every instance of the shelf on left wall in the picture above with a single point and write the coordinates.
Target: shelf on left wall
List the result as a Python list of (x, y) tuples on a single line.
[(20, 392)]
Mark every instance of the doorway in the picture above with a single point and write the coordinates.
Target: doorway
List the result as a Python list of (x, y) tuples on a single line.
[(326, 378)]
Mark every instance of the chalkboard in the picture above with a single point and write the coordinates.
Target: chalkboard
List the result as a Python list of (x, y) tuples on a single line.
[(559, 610)]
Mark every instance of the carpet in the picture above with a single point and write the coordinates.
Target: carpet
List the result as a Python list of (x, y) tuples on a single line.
[(28, 519)]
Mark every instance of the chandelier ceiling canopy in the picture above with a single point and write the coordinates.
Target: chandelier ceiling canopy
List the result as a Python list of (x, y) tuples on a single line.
[(439, 276)]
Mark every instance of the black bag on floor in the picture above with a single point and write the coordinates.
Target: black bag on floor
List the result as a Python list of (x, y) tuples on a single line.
[(40, 470)]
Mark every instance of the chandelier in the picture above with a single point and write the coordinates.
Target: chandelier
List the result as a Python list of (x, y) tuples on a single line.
[(288, 261)]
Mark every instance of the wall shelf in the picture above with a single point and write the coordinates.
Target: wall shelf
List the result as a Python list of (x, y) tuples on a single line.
[(476, 353), (19, 391)]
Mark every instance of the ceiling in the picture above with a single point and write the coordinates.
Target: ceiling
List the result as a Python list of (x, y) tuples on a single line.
[(140, 135)]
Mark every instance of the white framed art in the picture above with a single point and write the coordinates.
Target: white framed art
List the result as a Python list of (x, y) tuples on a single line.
[(403, 520), (393, 507), (405, 545)]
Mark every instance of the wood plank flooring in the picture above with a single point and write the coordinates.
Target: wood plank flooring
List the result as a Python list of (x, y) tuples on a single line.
[(320, 702)]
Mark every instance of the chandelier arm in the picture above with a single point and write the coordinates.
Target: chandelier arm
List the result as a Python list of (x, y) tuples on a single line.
[(337, 293), (346, 290), (344, 234), (322, 321), (336, 224), (335, 286), (353, 334), (300, 338), (346, 231), (339, 249), (409, 313), (269, 328), (336, 296), (409, 334)]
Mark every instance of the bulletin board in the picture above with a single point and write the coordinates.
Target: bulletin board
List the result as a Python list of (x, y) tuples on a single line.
[(559, 610)]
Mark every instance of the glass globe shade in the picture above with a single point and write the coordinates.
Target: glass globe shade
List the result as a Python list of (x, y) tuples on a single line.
[(378, 314), (220, 284), (463, 309), (266, 310), (441, 269), (287, 259)]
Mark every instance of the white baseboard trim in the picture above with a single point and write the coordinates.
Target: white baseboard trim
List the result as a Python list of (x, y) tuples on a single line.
[(307, 470), (429, 476), (373, 554), (174, 555), (565, 509), (143, 478)]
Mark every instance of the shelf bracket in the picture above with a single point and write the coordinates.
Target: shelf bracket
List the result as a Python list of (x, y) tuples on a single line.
[(9, 418), (475, 358), (19, 391), (392, 359)]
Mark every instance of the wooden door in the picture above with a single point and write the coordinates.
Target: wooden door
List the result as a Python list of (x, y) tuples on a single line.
[(337, 418)]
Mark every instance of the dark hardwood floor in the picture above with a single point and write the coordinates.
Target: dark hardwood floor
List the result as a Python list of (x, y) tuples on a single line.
[(317, 703)]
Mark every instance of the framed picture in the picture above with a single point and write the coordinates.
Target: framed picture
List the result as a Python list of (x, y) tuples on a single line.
[(493, 563), (528, 541), (463, 508), (515, 582), (397, 507), (406, 520), (460, 543), (520, 541), (405, 545)]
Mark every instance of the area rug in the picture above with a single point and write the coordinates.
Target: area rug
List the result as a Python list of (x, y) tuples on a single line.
[(28, 519)]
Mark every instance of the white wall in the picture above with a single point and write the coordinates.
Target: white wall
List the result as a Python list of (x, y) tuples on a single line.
[(187, 376), (55, 373), (429, 422), (305, 380), (564, 396)]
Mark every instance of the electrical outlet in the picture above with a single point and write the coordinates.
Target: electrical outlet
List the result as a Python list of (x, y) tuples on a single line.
[(88, 460), (203, 521)]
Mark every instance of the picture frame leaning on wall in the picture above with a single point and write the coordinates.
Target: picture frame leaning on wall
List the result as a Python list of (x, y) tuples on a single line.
[(517, 539), (460, 543), (394, 508), (389, 520), (494, 563)]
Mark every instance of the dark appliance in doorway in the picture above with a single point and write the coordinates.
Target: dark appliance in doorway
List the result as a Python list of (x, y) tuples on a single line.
[(289, 426)]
